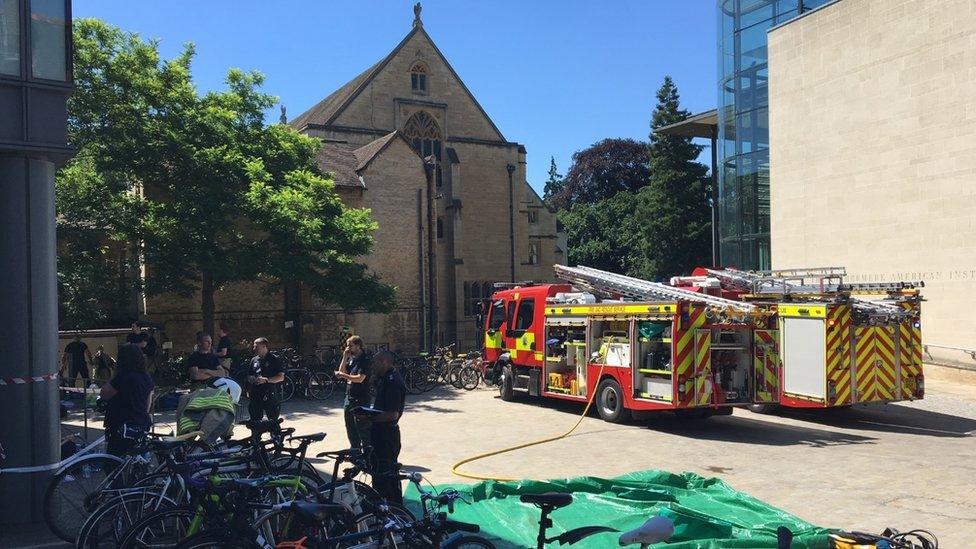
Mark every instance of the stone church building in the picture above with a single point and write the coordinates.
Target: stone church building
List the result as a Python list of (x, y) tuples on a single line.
[(408, 140)]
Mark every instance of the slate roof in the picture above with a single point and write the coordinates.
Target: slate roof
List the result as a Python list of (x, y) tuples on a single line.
[(346, 161), (366, 153), (339, 158), (323, 111)]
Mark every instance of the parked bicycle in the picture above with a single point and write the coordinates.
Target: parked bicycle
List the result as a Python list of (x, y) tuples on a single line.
[(300, 379)]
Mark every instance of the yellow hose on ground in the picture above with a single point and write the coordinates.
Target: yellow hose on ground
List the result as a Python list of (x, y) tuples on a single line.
[(454, 468)]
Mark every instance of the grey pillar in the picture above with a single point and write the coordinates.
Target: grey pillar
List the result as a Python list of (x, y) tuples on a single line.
[(29, 423)]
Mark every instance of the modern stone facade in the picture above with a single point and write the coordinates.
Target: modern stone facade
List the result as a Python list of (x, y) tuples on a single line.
[(489, 225), (873, 150)]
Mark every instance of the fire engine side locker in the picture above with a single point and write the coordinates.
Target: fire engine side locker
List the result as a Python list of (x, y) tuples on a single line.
[(877, 364), (803, 348)]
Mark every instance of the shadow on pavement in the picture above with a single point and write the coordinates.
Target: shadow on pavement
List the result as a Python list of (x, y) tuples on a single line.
[(754, 431), (734, 428), (891, 418)]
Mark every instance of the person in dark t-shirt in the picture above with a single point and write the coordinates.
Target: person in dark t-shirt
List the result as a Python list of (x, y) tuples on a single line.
[(391, 394), (128, 394), (224, 346), (267, 371), (202, 365), (354, 368), (136, 336), (77, 356)]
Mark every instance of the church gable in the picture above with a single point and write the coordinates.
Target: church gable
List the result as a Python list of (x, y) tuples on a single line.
[(415, 76)]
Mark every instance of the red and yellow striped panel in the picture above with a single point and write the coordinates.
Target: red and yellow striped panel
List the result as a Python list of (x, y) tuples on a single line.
[(839, 355), (875, 364), (864, 359), (766, 365), (703, 368), (889, 386), (906, 357), (684, 352)]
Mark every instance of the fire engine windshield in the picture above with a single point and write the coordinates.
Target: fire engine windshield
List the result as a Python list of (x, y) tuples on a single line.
[(497, 315)]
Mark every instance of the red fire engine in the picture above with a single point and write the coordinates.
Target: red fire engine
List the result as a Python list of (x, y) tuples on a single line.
[(705, 343), (664, 348)]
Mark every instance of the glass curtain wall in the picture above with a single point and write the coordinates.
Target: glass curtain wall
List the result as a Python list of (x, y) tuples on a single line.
[(743, 134)]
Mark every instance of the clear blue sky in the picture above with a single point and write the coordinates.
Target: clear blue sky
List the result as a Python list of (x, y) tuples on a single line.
[(555, 75)]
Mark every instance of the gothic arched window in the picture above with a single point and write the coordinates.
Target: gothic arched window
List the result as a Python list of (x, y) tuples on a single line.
[(423, 132), (418, 78)]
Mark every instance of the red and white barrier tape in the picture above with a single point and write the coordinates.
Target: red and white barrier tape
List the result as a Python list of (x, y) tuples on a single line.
[(23, 380)]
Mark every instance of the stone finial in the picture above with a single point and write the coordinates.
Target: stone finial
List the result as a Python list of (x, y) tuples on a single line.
[(284, 117), (417, 8)]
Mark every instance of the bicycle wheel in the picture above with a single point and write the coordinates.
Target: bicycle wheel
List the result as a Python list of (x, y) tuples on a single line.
[(320, 385), (161, 529), (431, 378), (469, 377), (455, 376), (286, 388), (74, 493), (279, 525), (106, 526), (414, 379)]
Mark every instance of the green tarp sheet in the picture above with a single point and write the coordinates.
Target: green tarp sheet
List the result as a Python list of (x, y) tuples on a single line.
[(707, 513)]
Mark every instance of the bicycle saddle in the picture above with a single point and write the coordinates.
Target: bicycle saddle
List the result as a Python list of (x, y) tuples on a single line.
[(350, 453), (317, 437), (166, 445), (655, 530), (549, 499), (315, 511)]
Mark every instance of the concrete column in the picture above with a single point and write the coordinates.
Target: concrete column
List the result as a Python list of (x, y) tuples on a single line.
[(29, 423)]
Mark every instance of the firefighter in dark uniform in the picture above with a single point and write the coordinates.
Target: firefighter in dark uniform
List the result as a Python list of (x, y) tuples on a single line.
[(391, 392), (354, 367), (266, 373)]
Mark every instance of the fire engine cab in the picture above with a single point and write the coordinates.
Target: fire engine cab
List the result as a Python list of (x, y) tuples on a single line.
[(652, 348)]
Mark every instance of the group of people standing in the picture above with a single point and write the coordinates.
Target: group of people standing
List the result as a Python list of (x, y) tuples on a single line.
[(372, 426), (374, 429), (77, 360)]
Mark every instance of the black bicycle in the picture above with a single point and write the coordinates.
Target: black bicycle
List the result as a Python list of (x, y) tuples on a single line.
[(549, 502)]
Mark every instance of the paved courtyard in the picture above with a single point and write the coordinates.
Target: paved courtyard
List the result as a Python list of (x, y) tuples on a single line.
[(904, 465)]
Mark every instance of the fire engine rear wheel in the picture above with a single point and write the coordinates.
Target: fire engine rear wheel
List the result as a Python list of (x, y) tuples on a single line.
[(505, 388), (610, 402), (763, 408)]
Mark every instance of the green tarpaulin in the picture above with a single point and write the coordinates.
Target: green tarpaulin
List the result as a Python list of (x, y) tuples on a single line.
[(707, 513)]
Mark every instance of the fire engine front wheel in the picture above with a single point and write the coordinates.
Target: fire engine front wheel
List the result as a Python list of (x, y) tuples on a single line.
[(610, 402)]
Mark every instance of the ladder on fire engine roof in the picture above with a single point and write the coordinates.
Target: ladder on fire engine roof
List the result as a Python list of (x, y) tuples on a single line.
[(793, 281), (604, 282)]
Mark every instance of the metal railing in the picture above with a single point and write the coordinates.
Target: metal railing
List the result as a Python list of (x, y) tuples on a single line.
[(970, 352)]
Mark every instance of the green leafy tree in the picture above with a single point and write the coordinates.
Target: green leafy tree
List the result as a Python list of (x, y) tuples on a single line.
[(601, 171), (218, 196), (554, 184), (93, 288), (675, 227), (603, 234)]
